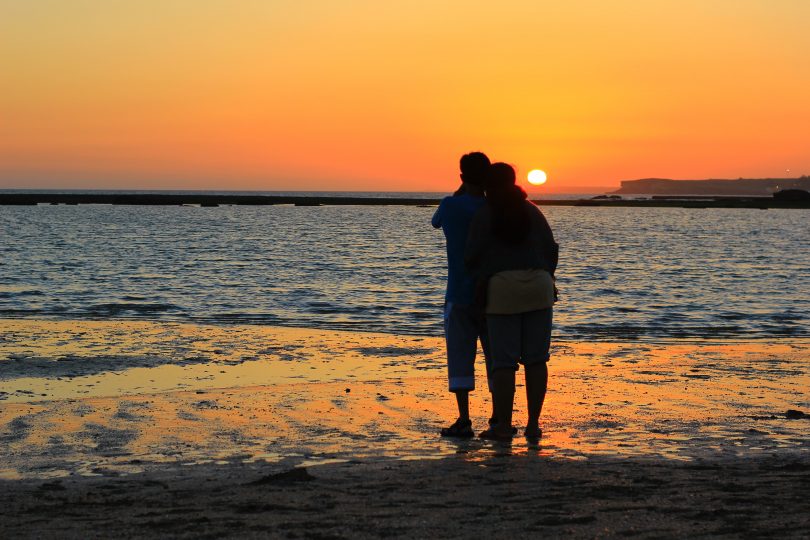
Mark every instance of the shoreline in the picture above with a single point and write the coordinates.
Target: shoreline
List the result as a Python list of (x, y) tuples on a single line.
[(723, 339), (157, 199)]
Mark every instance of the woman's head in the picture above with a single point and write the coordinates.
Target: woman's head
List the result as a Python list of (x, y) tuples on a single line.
[(510, 218), (501, 176)]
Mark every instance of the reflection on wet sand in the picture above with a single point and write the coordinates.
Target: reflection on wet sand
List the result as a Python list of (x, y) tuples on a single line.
[(106, 398)]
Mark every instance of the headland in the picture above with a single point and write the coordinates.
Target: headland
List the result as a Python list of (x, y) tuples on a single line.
[(740, 187)]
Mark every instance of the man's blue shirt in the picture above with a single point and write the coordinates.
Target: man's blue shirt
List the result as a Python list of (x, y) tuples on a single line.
[(454, 216)]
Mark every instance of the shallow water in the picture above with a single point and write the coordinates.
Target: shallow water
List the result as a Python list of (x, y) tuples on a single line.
[(625, 273), (93, 397)]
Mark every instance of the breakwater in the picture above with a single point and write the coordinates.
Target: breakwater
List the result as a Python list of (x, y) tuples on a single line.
[(208, 200)]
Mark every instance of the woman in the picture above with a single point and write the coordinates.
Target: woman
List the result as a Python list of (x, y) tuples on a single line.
[(512, 252)]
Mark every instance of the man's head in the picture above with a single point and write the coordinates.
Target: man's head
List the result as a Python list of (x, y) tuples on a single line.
[(474, 168)]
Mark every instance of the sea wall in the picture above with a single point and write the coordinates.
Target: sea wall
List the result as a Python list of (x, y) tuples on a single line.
[(160, 199)]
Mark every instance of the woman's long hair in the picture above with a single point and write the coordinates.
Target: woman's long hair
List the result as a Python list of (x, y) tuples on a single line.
[(510, 217)]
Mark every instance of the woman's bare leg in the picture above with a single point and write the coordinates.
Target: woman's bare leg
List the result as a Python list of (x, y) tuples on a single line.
[(536, 385), (503, 397)]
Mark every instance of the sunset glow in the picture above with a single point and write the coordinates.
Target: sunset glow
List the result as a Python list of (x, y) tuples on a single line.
[(361, 95)]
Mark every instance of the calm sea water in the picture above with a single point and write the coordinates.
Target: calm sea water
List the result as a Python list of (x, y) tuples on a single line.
[(625, 273)]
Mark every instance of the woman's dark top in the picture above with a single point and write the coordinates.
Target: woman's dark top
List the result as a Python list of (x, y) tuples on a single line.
[(486, 254)]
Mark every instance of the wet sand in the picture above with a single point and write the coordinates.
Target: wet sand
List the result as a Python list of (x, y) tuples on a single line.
[(133, 428)]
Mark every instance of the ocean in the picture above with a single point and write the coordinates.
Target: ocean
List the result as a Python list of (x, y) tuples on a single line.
[(646, 274)]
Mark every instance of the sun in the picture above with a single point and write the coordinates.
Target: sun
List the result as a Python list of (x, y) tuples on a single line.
[(537, 177)]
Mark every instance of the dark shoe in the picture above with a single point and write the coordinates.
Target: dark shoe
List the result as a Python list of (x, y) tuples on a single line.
[(494, 421), (533, 433), (460, 428), (492, 435)]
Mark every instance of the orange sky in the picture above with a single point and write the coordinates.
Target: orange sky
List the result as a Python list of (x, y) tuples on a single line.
[(370, 95)]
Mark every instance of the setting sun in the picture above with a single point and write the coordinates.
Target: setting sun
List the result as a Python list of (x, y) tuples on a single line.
[(537, 177)]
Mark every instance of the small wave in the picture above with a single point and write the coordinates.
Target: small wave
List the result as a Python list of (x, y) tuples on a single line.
[(238, 318), (784, 330), (12, 313), (615, 331), (112, 309), (17, 294), (606, 291), (319, 305), (787, 317), (738, 316), (668, 317), (422, 316)]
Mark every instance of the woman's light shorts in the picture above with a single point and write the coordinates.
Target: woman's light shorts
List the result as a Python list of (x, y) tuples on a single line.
[(523, 338)]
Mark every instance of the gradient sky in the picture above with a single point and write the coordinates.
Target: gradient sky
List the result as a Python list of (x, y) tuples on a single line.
[(385, 96)]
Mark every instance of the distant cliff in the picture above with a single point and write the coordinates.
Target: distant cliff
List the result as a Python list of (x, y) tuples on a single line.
[(762, 187)]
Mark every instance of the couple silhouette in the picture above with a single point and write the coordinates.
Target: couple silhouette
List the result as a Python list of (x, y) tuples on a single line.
[(501, 259)]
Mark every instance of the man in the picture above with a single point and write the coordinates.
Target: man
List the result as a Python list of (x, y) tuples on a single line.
[(463, 323)]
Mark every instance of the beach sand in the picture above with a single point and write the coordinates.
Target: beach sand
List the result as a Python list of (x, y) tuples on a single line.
[(130, 428), (501, 496)]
